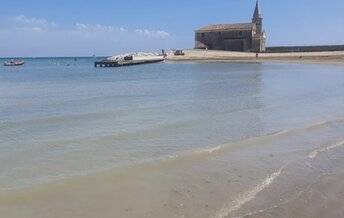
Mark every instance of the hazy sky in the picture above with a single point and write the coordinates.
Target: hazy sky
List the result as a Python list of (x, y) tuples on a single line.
[(108, 27)]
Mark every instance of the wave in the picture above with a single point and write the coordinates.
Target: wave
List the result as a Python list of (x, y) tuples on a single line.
[(217, 150), (54, 119), (197, 153), (248, 195), (326, 148), (258, 139), (61, 119)]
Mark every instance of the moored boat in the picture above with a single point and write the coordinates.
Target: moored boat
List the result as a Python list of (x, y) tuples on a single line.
[(14, 63)]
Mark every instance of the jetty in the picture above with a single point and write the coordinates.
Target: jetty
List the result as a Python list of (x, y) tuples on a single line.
[(130, 59)]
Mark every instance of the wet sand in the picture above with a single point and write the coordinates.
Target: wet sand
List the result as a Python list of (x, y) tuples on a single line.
[(314, 189), (336, 57), (324, 198)]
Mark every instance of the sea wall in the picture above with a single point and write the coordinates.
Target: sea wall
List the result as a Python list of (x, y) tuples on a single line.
[(317, 48)]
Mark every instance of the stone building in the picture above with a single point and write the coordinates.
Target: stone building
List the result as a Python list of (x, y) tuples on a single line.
[(248, 37)]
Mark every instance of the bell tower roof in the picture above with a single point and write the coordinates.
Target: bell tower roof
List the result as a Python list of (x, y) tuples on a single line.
[(257, 14), (258, 19)]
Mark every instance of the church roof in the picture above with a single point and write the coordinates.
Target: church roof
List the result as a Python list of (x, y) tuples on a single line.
[(218, 27)]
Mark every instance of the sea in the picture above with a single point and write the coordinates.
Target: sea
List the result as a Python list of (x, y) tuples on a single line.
[(238, 126)]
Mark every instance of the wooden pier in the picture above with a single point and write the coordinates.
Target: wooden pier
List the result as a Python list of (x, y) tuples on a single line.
[(109, 63)]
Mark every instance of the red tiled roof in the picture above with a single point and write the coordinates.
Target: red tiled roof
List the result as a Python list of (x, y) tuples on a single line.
[(226, 27)]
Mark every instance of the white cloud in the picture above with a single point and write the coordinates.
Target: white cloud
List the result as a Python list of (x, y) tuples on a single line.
[(37, 24), (99, 28), (34, 21), (122, 29), (36, 28), (23, 21), (82, 26), (153, 33), (41, 37)]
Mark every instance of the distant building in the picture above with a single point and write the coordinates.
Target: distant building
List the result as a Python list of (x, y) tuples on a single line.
[(248, 37)]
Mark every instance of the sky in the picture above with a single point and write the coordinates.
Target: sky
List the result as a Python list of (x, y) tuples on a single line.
[(38, 28)]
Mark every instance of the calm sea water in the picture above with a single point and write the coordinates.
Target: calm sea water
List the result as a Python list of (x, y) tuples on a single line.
[(61, 118)]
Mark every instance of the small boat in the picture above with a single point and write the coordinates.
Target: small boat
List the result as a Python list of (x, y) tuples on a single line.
[(14, 63)]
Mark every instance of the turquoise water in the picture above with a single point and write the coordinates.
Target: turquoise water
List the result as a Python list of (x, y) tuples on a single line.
[(61, 118)]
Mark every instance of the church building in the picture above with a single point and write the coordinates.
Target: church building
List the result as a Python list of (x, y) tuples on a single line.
[(248, 37)]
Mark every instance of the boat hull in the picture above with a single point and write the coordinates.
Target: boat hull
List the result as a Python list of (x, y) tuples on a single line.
[(13, 64)]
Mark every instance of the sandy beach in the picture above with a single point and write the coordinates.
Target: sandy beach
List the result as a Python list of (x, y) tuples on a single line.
[(323, 198), (333, 57)]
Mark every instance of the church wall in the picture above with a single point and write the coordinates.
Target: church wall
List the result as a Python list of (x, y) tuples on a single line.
[(225, 40), (256, 44), (204, 37)]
